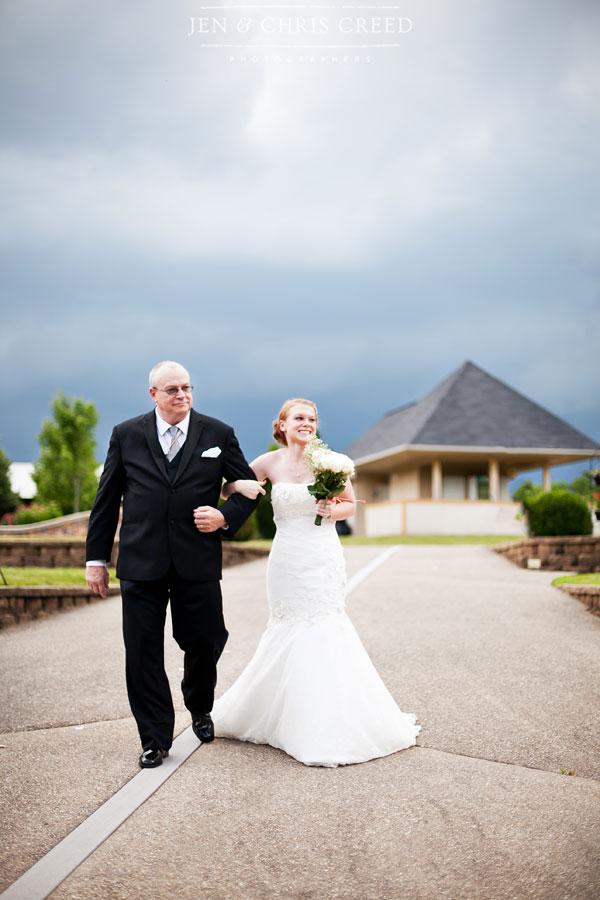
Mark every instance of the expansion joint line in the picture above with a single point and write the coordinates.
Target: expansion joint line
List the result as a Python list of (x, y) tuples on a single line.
[(44, 876)]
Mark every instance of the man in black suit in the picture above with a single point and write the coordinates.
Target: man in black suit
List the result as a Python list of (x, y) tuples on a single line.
[(168, 466)]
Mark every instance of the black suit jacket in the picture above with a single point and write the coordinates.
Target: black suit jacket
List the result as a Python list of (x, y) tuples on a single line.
[(158, 526)]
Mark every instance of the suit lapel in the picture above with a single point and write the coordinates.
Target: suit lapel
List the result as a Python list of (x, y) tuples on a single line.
[(193, 436), (155, 449)]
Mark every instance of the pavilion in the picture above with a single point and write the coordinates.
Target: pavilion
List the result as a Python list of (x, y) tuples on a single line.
[(442, 465)]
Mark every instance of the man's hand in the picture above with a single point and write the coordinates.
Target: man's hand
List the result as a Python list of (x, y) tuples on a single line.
[(97, 579), (207, 519)]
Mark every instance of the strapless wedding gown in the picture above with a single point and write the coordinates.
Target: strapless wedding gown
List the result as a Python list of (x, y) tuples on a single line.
[(310, 688)]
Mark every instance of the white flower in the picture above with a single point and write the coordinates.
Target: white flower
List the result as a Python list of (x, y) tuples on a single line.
[(321, 458)]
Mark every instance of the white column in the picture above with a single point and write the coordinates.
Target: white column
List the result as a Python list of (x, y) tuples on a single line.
[(494, 476), (436, 480), (547, 480)]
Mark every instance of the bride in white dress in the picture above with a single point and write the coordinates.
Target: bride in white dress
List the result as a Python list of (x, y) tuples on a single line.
[(310, 689)]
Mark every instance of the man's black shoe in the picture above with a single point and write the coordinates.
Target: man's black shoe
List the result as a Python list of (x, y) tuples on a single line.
[(203, 728), (150, 759)]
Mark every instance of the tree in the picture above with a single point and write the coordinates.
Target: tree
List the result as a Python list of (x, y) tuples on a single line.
[(527, 491), (65, 471), (560, 486), (583, 485), (8, 499)]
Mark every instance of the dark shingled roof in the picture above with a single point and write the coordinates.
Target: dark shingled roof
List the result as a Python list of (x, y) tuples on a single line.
[(471, 409)]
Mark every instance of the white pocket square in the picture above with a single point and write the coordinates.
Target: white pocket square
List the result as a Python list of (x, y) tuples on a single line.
[(212, 452)]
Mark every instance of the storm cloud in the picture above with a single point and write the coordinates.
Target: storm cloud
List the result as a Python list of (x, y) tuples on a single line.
[(351, 232)]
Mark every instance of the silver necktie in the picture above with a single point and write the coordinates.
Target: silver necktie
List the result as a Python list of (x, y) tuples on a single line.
[(175, 433)]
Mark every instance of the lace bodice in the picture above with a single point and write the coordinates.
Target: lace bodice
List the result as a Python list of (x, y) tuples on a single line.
[(292, 501), (306, 573)]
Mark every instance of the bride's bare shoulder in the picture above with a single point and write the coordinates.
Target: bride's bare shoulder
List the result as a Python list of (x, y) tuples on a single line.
[(265, 465)]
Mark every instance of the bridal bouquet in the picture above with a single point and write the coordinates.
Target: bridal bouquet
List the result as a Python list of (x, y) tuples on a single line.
[(331, 471)]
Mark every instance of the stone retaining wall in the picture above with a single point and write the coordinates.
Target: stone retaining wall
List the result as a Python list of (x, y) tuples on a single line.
[(236, 552), (587, 593), (21, 604), (559, 554), (71, 553), (50, 554), (76, 525)]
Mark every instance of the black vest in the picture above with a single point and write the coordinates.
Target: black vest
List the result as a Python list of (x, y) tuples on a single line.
[(172, 466)]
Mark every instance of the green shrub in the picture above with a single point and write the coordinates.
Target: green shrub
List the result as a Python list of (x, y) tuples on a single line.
[(264, 514), (37, 512), (558, 513), (8, 498), (246, 532), (260, 524)]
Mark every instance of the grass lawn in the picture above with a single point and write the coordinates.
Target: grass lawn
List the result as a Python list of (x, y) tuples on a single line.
[(586, 578), (42, 538), (17, 576), (432, 539), (385, 540), (257, 542)]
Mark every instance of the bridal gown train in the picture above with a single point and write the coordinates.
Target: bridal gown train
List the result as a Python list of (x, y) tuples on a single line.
[(310, 688)]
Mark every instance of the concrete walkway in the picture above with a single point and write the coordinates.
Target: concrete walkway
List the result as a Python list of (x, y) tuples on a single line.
[(502, 670)]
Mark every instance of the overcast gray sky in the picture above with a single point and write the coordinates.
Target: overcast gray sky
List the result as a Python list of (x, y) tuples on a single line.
[(350, 232)]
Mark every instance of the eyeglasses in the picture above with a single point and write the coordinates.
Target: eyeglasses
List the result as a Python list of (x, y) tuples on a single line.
[(173, 391)]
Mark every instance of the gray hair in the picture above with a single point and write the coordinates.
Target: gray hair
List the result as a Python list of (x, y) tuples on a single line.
[(167, 363)]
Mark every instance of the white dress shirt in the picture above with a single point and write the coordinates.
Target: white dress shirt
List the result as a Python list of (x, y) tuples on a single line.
[(165, 439)]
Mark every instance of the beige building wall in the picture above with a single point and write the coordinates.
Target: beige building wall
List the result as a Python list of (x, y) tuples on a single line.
[(443, 517), (369, 490), (404, 485), (383, 518), (454, 487), (425, 482)]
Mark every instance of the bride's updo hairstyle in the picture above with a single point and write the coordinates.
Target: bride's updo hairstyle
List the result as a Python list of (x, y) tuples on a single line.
[(284, 413)]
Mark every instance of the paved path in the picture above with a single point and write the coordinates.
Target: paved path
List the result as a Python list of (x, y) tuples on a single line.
[(501, 669)]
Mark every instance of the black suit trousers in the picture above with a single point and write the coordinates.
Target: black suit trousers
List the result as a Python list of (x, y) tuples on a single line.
[(198, 628)]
